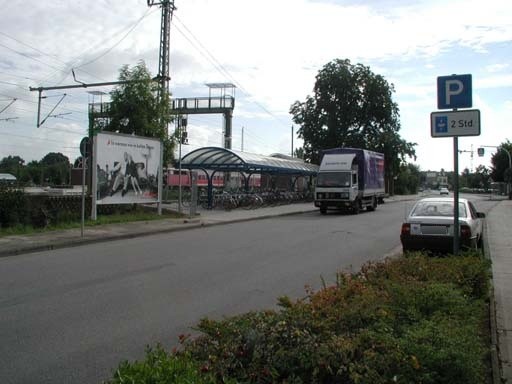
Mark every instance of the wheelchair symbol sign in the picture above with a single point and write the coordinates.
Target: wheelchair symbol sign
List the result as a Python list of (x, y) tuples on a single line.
[(441, 124)]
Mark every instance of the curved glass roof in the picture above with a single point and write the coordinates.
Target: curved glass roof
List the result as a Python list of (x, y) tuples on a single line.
[(222, 159)]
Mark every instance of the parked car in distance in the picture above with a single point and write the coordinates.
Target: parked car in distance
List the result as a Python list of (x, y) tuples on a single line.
[(444, 191), (429, 226)]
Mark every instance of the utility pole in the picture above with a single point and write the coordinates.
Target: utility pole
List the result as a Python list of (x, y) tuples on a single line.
[(292, 141), (82, 85), (165, 31), (471, 153), (242, 148)]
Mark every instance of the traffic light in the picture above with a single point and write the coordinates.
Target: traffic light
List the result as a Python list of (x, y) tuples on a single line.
[(481, 151), (184, 137)]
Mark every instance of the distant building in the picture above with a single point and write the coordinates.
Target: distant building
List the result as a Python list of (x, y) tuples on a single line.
[(433, 179)]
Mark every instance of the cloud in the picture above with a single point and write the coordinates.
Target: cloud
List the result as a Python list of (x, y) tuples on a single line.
[(271, 49)]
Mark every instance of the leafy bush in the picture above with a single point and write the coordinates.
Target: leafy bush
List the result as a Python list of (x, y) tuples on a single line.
[(159, 367), (411, 320), (13, 207), (415, 320)]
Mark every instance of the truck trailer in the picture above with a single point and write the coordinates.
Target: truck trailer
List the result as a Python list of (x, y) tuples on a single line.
[(350, 179)]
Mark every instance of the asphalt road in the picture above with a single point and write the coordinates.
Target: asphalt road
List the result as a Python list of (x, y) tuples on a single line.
[(71, 315)]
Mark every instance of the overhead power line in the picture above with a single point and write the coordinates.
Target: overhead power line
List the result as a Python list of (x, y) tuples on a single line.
[(221, 69), (117, 42), (8, 105)]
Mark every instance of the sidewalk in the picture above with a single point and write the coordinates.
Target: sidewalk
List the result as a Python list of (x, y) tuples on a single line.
[(499, 240), (499, 245), (19, 244)]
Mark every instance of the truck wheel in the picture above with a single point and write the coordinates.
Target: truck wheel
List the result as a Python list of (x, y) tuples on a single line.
[(356, 207), (373, 206)]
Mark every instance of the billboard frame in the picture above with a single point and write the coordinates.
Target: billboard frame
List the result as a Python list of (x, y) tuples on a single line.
[(121, 160)]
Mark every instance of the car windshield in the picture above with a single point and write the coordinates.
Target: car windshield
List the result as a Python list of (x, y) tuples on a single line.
[(333, 179), (437, 208)]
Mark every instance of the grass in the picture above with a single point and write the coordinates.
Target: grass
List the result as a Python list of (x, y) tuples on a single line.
[(126, 217)]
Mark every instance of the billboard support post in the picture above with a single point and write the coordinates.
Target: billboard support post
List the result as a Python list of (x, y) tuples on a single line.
[(94, 181), (160, 174), (82, 221)]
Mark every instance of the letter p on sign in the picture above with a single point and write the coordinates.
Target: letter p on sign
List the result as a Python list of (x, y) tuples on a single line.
[(454, 92)]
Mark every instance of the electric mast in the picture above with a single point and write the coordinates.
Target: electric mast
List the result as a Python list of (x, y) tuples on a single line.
[(165, 30)]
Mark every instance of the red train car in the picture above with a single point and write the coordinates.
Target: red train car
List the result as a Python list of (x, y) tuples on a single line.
[(173, 179)]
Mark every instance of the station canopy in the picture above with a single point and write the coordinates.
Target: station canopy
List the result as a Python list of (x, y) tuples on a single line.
[(228, 160)]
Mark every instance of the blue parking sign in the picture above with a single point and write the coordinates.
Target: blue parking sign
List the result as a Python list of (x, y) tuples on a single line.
[(441, 124), (454, 91)]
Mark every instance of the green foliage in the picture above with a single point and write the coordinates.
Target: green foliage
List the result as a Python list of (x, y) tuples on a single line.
[(351, 107), (159, 367), (413, 320), (478, 179), (408, 180), (53, 158), (135, 109), (52, 169), (23, 214), (10, 163), (13, 207), (500, 162)]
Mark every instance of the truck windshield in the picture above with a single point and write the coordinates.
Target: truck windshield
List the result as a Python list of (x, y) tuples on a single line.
[(333, 179)]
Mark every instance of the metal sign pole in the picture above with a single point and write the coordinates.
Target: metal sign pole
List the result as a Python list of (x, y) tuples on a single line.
[(456, 236), (84, 160), (455, 92)]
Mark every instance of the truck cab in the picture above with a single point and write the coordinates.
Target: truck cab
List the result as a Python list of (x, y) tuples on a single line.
[(341, 182)]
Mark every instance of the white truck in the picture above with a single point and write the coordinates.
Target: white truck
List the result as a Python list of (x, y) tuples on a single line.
[(350, 179)]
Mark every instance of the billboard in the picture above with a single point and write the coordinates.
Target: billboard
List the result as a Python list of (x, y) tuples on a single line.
[(127, 169)]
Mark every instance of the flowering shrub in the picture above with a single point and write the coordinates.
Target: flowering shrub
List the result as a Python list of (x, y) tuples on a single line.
[(409, 320), (413, 320)]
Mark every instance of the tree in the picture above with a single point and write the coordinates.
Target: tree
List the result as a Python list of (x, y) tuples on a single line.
[(55, 167), (408, 179), (134, 108), (35, 172), (352, 107), (53, 158), (478, 179), (500, 163), (299, 153), (11, 164)]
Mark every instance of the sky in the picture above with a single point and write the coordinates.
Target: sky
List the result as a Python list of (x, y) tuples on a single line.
[(270, 49)]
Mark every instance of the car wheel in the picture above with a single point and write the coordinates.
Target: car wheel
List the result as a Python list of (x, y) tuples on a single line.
[(480, 243), (323, 211)]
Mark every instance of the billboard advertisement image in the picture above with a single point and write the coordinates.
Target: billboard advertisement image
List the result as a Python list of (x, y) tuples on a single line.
[(127, 169)]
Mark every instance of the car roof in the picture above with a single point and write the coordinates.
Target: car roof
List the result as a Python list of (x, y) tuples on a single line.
[(442, 199)]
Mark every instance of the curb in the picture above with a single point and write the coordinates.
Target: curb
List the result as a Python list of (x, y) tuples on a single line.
[(75, 242), (493, 325), (194, 223), (185, 225)]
